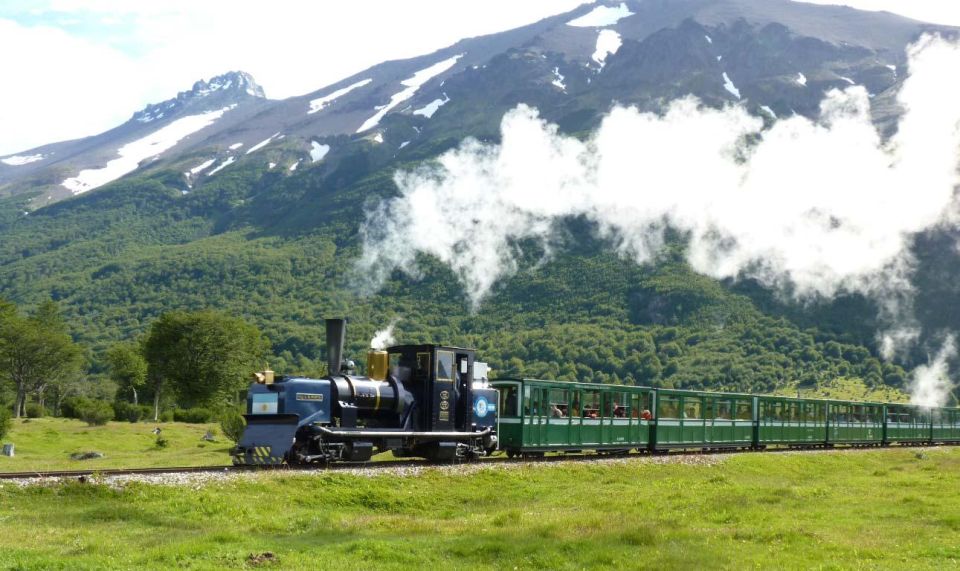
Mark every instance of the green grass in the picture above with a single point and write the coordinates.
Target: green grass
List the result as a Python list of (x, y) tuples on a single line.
[(47, 443), (884, 509)]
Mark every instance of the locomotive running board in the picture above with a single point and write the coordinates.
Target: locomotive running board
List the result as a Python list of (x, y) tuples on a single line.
[(357, 434)]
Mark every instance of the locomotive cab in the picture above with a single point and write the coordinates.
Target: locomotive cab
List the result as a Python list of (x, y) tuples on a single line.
[(447, 397)]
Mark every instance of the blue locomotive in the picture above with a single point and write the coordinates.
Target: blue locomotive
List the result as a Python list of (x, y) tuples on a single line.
[(429, 401)]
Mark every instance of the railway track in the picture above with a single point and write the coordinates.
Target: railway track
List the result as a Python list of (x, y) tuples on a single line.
[(105, 472), (111, 472), (387, 465)]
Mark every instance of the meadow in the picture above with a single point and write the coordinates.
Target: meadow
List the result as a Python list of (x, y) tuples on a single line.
[(48, 443), (857, 509)]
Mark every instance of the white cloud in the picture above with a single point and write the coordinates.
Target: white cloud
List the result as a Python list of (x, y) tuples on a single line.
[(57, 86), (152, 50)]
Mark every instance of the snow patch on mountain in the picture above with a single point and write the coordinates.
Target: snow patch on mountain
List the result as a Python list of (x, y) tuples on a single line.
[(321, 102), (601, 16), (848, 80), (294, 166), (412, 84), (262, 143), (18, 160), (404, 144), (608, 42), (729, 86), (229, 161), (149, 117), (202, 166), (430, 108), (558, 80), (709, 39), (317, 151), (768, 111), (235, 146), (802, 79), (132, 153)]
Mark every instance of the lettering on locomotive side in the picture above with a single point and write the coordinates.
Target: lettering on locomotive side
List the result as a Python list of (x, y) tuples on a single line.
[(310, 396)]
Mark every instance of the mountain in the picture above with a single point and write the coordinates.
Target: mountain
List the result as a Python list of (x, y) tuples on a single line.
[(776, 56), (222, 197)]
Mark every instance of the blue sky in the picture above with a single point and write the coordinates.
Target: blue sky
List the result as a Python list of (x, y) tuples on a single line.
[(83, 66)]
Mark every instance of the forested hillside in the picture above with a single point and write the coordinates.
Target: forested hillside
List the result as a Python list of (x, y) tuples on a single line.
[(280, 252)]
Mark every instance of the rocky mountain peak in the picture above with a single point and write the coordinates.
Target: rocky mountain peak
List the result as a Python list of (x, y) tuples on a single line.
[(231, 86)]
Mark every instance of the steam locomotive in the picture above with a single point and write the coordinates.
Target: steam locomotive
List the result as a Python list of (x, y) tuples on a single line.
[(429, 401)]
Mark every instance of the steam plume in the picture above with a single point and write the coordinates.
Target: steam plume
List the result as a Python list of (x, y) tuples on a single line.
[(931, 384), (824, 206), (384, 337)]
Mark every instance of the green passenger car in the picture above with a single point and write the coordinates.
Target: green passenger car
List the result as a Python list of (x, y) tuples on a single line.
[(855, 422), (687, 419), (791, 421), (538, 416), (946, 424), (908, 423)]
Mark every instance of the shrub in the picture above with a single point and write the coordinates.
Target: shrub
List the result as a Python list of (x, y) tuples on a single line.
[(193, 415), (161, 442), (70, 407), (96, 413), (232, 424), (165, 415), (127, 411), (6, 418), (34, 410)]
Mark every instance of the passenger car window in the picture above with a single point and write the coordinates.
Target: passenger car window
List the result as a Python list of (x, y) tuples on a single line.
[(723, 410), (591, 404), (669, 407), (508, 401)]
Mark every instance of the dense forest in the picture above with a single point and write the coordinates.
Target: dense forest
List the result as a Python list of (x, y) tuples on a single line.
[(278, 252)]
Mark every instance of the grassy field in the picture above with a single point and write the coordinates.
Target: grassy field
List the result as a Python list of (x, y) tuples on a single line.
[(47, 443), (881, 509)]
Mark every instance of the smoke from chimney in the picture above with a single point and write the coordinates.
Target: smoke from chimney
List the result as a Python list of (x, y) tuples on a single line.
[(823, 206), (384, 337)]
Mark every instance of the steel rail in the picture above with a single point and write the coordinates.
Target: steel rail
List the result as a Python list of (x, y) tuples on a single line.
[(557, 456)]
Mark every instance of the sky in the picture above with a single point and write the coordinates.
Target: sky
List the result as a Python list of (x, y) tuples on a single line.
[(80, 67)]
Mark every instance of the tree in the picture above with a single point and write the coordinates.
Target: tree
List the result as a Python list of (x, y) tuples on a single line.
[(128, 368), (35, 351), (204, 357)]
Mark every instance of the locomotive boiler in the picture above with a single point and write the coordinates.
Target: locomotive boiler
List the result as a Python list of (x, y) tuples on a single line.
[(429, 401)]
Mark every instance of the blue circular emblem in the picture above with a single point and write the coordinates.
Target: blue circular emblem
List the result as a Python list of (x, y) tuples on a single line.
[(480, 407)]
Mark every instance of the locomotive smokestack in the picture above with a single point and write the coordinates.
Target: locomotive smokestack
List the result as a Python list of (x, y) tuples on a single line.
[(336, 333)]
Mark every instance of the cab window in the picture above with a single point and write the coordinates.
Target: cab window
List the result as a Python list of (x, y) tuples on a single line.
[(444, 365)]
